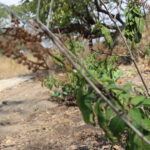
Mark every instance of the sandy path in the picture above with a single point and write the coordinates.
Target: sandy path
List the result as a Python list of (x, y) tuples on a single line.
[(13, 82), (19, 103), (29, 120)]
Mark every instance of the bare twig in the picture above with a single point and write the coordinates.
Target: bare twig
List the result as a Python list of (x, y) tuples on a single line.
[(38, 9), (110, 54), (130, 51), (50, 13)]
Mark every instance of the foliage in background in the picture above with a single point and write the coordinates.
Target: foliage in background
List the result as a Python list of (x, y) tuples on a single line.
[(93, 108), (79, 17), (147, 50), (3, 17), (134, 22)]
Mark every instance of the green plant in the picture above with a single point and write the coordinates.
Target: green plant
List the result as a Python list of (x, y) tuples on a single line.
[(134, 22), (58, 94), (78, 17), (95, 110), (49, 82), (131, 106), (147, 50), (75, 46), (103, 70), (103, 31)]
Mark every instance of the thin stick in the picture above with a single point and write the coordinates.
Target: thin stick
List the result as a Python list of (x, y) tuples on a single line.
[(38, 9), (50, 13), (110, 54), (130, 51)]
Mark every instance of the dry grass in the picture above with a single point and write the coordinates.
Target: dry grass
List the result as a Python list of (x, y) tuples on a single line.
[(10, 68)]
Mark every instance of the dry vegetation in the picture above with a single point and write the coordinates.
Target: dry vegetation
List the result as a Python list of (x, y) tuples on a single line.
[(22, 52), (10, 68)]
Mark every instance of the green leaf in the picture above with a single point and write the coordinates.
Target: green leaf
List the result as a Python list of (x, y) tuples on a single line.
[(117, 126), (146, 103), (136, 117), (137, 12), (128, 86), (146, 124), (137, 100), (109, 113), (135, 113), (115, 89), (139, 24), (97, 28), (107, 36), (57, 94), (140, 144), (107, 80), (100, 116), (103, 122), (137, 37), (124, 97), (88, 100), (134, 142), (85, 105)]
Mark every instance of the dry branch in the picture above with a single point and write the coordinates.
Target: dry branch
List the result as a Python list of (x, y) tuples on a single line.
[(50, 13), (38, 9)]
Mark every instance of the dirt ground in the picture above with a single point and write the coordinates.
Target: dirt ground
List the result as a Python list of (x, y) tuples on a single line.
[(30, 121)]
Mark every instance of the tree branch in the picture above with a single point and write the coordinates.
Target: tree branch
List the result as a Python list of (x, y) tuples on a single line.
[(50, 13), (99, 9), (38, 9), (80, 28)]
